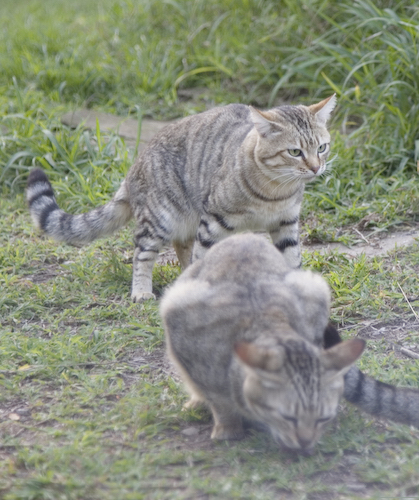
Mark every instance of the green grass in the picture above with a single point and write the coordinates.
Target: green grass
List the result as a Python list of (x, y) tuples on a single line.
[(99, 414), (89, 409), (125, 57)]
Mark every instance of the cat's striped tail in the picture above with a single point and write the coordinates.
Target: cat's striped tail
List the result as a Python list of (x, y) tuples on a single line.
[(74, 229), (398, 404)]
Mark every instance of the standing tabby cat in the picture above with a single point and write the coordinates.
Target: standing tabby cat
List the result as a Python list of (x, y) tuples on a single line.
[(201, 179), (246, 333)]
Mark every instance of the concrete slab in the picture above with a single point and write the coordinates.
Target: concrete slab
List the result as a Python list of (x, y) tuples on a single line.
[(123, 126), (374, 247)]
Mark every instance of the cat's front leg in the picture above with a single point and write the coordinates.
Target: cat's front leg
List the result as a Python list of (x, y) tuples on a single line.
[(227, 423), (212, 228), (286, 238)]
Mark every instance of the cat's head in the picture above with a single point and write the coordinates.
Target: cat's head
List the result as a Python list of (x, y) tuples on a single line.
[(294, 388), (293, 142)]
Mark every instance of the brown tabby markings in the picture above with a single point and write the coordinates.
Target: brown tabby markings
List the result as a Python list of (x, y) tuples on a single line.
[(226, 170)]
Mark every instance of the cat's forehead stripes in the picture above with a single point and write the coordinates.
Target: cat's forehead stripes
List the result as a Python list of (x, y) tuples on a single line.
[(302, 121), (303, 369)]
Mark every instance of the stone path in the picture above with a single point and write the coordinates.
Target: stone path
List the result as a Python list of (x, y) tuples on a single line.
[(376, 246), (125, 127), (128, 128)]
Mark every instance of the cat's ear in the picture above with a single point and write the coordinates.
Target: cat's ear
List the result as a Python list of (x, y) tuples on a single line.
[(343, 355), (323, 109), (269, 359), (331, 336), (263, 122)]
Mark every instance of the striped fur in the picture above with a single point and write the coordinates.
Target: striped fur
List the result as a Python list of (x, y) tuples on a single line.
[(398, 404), (201, 179), (245, 330), (250, 338)]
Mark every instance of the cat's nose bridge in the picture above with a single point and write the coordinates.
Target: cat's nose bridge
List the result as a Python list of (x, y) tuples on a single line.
[(304, 443), (313, 163), (305, 435)]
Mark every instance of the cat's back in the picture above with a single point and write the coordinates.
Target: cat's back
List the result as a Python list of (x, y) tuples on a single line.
[(222, 116), (220, 286), (245, 276), (203, 130), (189, 151), (241, 258)]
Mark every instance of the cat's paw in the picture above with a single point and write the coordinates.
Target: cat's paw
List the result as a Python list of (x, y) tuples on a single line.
[(220, 432), (142, 296), (194, 403)]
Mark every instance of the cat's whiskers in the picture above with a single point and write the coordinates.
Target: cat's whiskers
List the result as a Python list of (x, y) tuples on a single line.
[(286, 176), (288, 180), (329, 163), (328, 170), (289, 184)]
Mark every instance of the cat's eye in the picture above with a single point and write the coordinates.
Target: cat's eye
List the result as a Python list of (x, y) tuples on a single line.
[(322, 148), (295, 152), (323, 420), (289, 419)]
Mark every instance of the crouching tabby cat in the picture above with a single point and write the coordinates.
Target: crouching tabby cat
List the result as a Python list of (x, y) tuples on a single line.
[(201, 179), (245, 332)]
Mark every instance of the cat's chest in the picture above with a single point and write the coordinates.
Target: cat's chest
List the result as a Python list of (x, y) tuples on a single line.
[(264, 216), (247, 208)]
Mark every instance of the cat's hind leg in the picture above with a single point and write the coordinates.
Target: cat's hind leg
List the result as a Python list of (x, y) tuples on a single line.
[(184, 252), (197, 399), (142, 276), (148, 241)]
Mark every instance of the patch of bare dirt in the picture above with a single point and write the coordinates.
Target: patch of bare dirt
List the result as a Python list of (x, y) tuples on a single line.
[(123, 126), (372, 245), (44, 274), (399, 335)]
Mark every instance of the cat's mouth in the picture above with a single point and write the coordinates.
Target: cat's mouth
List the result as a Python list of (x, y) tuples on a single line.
[(294, 447), (308, 175), (296, 450)]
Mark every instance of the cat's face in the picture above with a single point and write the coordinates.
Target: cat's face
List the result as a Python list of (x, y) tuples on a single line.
[(295, 414), (293, 142), (294, 388)]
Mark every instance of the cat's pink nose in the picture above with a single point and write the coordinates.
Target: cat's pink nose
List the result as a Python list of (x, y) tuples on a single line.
[(305, 443), (314, 168), (305, 437)]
